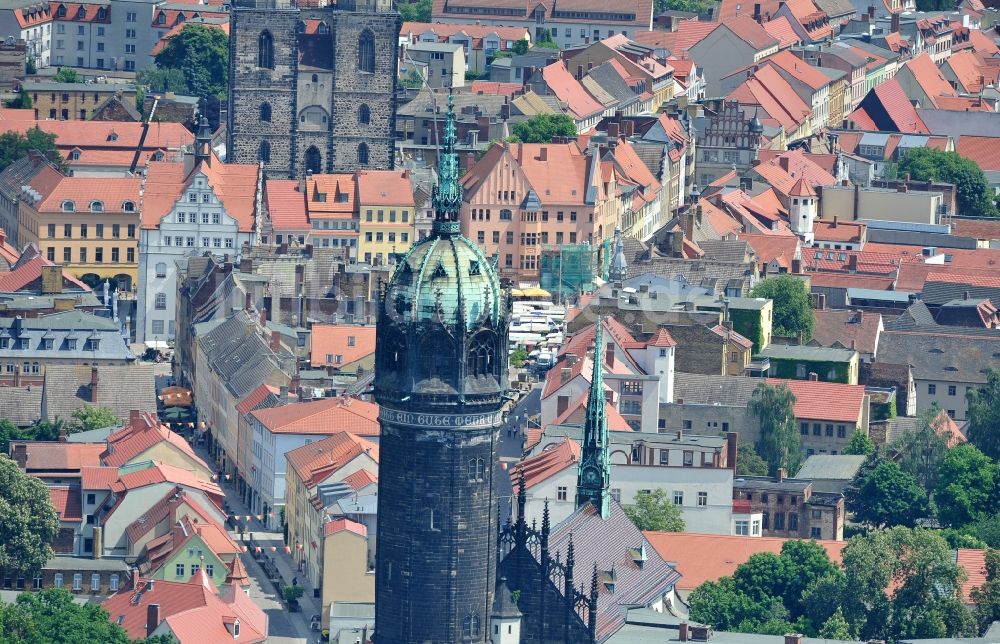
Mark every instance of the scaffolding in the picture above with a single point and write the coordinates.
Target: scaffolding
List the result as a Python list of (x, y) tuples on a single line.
[(568, 269)]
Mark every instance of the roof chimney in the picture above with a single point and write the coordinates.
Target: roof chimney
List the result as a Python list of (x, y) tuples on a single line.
[(781, 476), (813, 376), (94, 380), (152, 614), (275, 341), (834, 221), (783, 162), (543, 154), (793, 638), (609, 355)]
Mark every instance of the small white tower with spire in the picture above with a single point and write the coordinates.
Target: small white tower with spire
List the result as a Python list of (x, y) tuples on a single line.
[(802, 210), (505, 618)]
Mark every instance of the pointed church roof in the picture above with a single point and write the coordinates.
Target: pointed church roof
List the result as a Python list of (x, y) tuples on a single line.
[(237, 574), (802, 189), (503, 603), (593, 478)]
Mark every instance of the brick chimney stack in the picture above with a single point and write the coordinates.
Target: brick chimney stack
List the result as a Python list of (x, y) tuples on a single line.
[(95, 379)]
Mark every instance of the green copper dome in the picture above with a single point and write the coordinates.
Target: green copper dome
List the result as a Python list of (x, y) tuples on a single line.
[(445, 278)]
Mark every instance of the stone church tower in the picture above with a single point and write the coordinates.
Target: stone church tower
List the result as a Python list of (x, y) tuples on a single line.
[(312, 86), (440, 381)]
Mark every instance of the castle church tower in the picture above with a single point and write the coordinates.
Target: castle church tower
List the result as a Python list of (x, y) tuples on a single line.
[(440, 379), (312, 85), (594, 475)]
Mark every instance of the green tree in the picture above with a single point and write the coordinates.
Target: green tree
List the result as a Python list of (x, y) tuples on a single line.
[(806, 563), (419, 11), (887, 496), (413, 80), (774, 409), (967, 486), (28, 523), (654, 511), (546, 41), (984, 415), (23, 101), (520, 47), (749, 462), (541, 128), (921, 450), (37, 432), (30, 69), (986, 531), (972, 191), (518, 357), (692, 6), (836, 628), (202, 55), (987, 596), (861, 444), (66, 75), (91, 417), (161, 80), (14, 146), (792, 314), (722, 605), (52, 617)]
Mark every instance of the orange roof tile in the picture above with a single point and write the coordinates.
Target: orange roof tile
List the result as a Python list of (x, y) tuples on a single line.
[(234, 184), (120, 135), (165, 509), (143, 432), (767, 89), (164, 473), (709, 557), (773, 248), (476, 32), (841, 231), (326, 416), (314, 462), (553, 459), (56, 456), (66, 501), (973, 561), (983, 150), (331, 196), (781, 30), (349, 342), (384, 188), (819, 400), (688, 34), (286, 206), (929, 77), (111, 192), (494, 88), (569, 90), (801, 189), (361, 479), (799, 168), (97, 477), (846, 327), (254, 398), (344, 525)]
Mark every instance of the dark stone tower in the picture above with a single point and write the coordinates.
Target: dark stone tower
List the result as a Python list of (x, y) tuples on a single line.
[(594, 477), (440, 378), (312, 87)]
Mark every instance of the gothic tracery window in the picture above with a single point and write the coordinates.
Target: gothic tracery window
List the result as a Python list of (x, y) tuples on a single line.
[(265, 112), (265, 50), (366, 52), (265, 152), (363, 154)]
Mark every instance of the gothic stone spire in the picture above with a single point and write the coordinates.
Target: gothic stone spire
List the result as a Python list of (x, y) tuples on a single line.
[(594, 475), (447, 195)]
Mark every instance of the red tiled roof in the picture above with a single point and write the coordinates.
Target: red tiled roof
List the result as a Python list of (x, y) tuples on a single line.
[(973, 561), (661, 339), (112, 135), (709, 557), (798, 68), (767, 89), (234, 184), (554, 459), (350, 342), (970, 280), (929, 77), (30, 272), (143, 432), (781, 30), (476, 33), (751, 32), (344, 525), (800, 168), (494, 88), (237, 573), (840, 231), (801, 189), (166, 509), (286, 206), (899, 108), (254, 398), (843, 280), (66, 501), (819, 400), (569, 90), (361, 479), (325, 416), (57, 456), (98, 477), (984, 151), (574, 414), (384, 188), (688, 34), (164, 473), (722, 331), (314, 462), (778, 248)]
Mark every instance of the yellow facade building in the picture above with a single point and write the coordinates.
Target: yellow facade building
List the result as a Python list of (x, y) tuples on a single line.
[(89, 225), (386, 214)]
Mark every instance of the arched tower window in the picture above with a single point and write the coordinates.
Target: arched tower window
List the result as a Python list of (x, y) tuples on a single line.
[(265, 50), (366, 52), (364, 115), (363, 154), (392, 352), (437, 356), (265, 152), (265, 112), (313, 159), (480, 359)]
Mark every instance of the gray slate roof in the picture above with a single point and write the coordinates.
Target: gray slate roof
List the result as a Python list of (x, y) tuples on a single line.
[(839, 467), (21, 405), (941, 353), (798, 352), (697, 389), (69, 332), (726, 250), (238, 354), (122, 388)]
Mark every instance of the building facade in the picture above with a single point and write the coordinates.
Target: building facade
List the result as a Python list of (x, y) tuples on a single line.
[(312, 88)]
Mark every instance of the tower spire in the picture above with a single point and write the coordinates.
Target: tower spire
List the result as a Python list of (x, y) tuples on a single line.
[(594, 475), (447, 195), (618, 271)]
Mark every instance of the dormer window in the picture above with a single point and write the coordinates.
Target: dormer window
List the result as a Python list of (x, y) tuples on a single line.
[(101, 13), (161, 18), (236, 629), (322, 28), (128, 206), (68, 206), (81, 12), (96, 206), (74, 155), (61, 11), (181, 17)]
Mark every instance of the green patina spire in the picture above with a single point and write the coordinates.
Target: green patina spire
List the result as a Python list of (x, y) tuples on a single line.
[(594, 476), (447, 197)]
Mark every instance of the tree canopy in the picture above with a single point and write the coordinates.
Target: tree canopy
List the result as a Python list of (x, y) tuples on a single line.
[(541, 128), (984, 415), (920, 450), (967, 486), (419, 11), (792, 314), (885, 495), (693, 6), (38, 432), (14, 146), (202, 55), (861, 444), (749, 462), (51, 616), (972, 190), (28, 523), (778, 445), (66, 75), (91, 417), (987, 596), (654, 511)]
